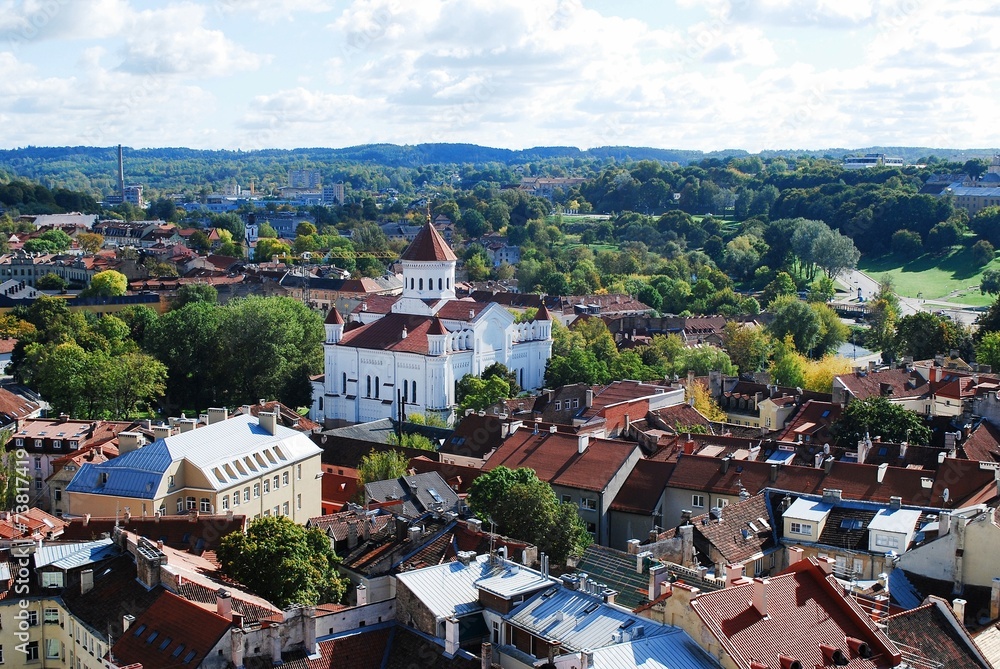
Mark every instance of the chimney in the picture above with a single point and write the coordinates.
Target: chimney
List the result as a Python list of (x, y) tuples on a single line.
[(268, 421), (352, 535), (608, 595), (161, 431), (186, 424), (794, 555), (312, 648), (958, 606), (760, 595), (725, 464), (362, 592), (582, 441), (774, 473), (87, 581), (826, 564), (734, 572), (882, 469), (236, 646), (895, 503), (487, 655), (995, 599), (130, 441), (689, 446), (828, 464), (788, 662), (414, 533), (944, 523), (450, 636), (217, 415), (552, 429), (589, 398), (224, 603), (127, 621)]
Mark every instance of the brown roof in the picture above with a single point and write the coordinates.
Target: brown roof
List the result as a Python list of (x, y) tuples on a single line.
[(556, 459), (334, 317), (643, 488), (386, 334), (984, 443), (376, 304), (288, 416), (930, 629), (804, 599), (186, 533), (172, 631), (896, 383), (813, 421), (13, 406), (437, 328), (741, 532), (458, 310), (428, 246), (543, 313)]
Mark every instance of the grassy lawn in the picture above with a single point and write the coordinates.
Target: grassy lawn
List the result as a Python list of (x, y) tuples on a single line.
[(952, 277)]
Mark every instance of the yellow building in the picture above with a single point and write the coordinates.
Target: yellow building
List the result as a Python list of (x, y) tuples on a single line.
[(250, 465)]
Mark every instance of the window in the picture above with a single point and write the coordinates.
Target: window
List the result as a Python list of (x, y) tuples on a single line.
[(421, 283), (38, 463), (440, 284), (298, 471), (236, 498), (368, 392), (267, 512), (588, 503), (38, 443), (298, 501), (267, 486), (246, 494), (801, 528), (284, 509), (225, 502), (58, 494), (57, 443), (722, 503), (343, 383), (567, 498), (50, 615), (413, 393), (274, 482), (38, 482), (886, 541), (170, 481), (31, 651), (52, 649), (19, 442), (592, 529), (276, 511), (558, 405), (180, 505), (74, 444), (698, 500), (377, 387), (32, 618), (191, 504), (52, 579), (256, 490), (284, 478), (576, 403)]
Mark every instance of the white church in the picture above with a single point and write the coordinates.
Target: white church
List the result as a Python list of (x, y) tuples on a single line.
[(414, 348)]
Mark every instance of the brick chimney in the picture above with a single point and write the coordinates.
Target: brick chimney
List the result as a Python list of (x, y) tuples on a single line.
[(224, 603), (236, 646), (217, 415)]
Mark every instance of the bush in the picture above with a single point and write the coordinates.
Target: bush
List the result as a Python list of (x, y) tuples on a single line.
[(982, 252), (907, 243)]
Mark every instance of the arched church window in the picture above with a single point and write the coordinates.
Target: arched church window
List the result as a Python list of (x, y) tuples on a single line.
[(421, 283), (343, 383), (377, 384), (414, 393), (369, 387), (440, 284)]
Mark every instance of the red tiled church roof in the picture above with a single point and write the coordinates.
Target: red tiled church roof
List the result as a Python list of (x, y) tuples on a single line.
[(386, 334), (334, 317), (428, 246)]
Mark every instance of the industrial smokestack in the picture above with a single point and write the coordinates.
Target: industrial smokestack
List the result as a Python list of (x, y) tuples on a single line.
[(121, 173)]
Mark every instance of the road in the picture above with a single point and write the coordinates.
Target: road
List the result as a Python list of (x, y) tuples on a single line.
[(960, 313)]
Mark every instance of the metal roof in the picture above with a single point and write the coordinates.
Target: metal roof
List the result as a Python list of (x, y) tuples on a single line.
[(901, 521), (452, 589), (808, 509), (671, 650), (68, 556), (579, 620), (134, 474)]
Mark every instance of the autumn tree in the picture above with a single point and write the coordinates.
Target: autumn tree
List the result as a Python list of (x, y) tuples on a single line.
[(381, 466)]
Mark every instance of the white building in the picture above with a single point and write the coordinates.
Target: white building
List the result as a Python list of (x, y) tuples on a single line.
[(418, 351)]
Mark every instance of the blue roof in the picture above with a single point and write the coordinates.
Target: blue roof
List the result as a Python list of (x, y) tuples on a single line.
[(68, 556), (135, 474)]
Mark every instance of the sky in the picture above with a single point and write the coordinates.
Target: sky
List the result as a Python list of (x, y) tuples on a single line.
[(686, 74)]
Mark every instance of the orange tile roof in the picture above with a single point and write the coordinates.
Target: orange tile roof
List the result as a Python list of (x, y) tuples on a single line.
[(428, 246)]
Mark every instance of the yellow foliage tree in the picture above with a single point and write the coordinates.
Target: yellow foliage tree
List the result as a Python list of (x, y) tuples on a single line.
[(704, 403), (819, 373)]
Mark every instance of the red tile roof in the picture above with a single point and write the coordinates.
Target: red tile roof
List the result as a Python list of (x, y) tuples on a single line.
[(186, 533), (983, 444), (965, 481), (437, 328), (169, 632), (813, 420), (931, 630), (727, 535), (386, 334), (556, 459), (458, 310), (428, 246), (334, 317), (376, 304), (803, 599), (543, 313), (900, 382), (643, 488)]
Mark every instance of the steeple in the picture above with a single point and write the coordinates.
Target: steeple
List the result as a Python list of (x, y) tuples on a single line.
[(428, 270), (334, 325)]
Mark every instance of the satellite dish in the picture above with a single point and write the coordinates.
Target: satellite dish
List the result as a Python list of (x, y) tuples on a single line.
[(945, 495)]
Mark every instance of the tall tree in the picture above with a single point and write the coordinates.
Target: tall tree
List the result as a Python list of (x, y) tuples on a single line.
[(877, 416), (381, 466)]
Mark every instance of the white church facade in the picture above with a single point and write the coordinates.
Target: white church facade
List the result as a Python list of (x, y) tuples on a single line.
[(410, 351)]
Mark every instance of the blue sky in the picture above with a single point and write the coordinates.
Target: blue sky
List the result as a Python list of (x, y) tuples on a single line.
[(693, 74)]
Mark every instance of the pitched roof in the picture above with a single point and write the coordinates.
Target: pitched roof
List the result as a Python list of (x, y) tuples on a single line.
[(116, 592), (14, 407), (475, 436), (617, 569), (428, 246), (334, 317), (643, 488), (543, 313), (186, 533), (173, 631), (742, 532), (931, 630), (984, 443), (804, 599), (813, 421), (418, 493), (386, 334), (895, 383), (556, 459)]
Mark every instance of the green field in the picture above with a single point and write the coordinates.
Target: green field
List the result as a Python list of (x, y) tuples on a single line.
[(952, 277)]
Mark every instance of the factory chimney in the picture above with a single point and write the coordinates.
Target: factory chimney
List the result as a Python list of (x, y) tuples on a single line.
[(121, 174)]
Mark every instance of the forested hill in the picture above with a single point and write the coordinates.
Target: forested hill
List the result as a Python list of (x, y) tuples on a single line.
[(94, 169)]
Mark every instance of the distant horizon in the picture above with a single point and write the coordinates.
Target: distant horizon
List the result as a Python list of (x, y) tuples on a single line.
[(695, 75)]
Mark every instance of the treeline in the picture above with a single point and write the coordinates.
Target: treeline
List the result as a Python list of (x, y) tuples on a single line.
[(33, 198), (199, 354)]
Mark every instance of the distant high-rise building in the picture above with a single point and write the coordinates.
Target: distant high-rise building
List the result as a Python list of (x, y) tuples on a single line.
[(304, 179), (333, 194), (133, 195)]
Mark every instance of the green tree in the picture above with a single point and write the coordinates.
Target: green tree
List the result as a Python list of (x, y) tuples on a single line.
[(832, 332), (796, 318), (266, 231), (187, 341), (577, 366), (194, 292), (283, 562), (748, 347), (991, 282), (477, 268), (788, 367), (907, 243), (835, 253), (822, 290), (474, 224), (923, 335), (52, 281), (986, 224), (305, 229), (52, 241), (783, 284), (382, 466), (477, 393), (877, 416), (982, 253), (412, 440), (988, 350), (268, 248), (91, 242), (108, 283)]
